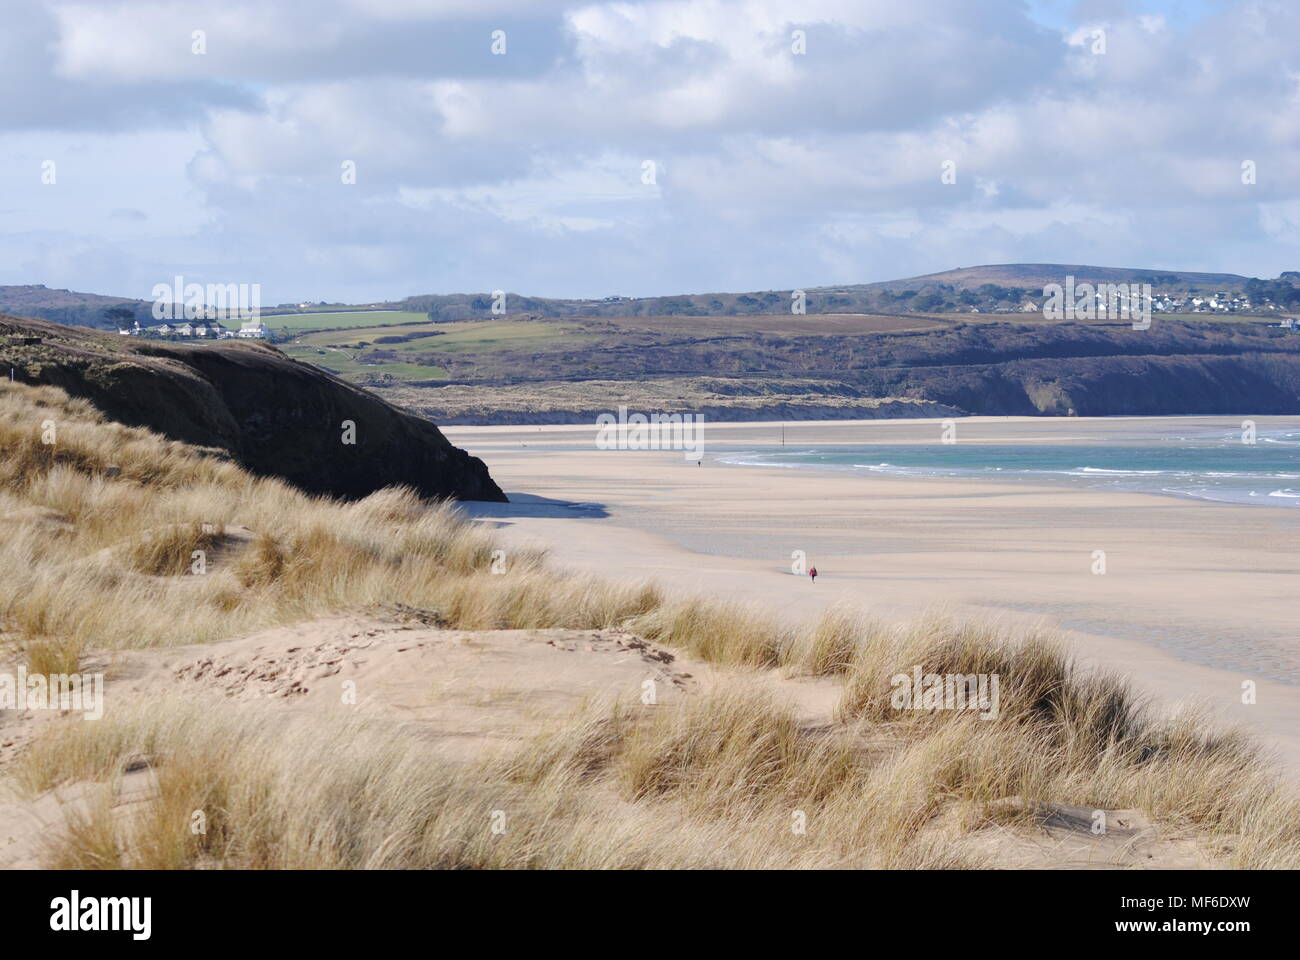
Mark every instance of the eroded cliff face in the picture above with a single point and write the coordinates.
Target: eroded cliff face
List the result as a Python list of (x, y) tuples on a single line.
[(274, 415)]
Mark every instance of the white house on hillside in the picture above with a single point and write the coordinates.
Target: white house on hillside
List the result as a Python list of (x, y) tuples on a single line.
[(254, 330)]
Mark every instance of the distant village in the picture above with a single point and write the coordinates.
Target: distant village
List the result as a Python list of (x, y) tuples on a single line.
[(199, 329), (1169, 296), (1210, 303), (1173, 303)]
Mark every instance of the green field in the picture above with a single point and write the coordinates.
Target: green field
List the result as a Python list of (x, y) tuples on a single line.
[(350, 352), (471, 336), (345, 365), (297, 322)]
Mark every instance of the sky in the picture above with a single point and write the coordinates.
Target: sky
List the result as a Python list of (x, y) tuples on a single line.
[(362, 150)]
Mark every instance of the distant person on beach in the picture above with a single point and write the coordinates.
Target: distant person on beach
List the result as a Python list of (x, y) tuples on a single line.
[(812, 572)]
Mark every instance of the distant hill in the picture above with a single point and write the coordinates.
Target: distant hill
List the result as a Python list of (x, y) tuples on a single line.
[(818, 364), (995, 287), (1038, 275), (1003, 288), (69, 306)]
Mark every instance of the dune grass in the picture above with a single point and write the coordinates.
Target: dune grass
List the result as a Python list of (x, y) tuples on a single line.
[(255, 789), (727, 779), (98, 532)]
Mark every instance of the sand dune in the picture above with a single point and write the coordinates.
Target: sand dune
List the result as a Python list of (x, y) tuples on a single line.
[(468, 695)]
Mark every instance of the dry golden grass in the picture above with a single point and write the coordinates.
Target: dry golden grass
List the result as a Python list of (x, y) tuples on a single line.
[(725, 779), (272, 792), (171, 550), (275, 793), (99, 529), (888, 792), (725, 633), (834, 640), (51, 656), (717, 780)]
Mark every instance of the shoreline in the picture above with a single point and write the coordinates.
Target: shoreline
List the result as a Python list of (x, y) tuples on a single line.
[(1195, 600)]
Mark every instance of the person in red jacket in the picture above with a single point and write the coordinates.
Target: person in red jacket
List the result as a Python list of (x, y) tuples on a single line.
[(812, 572)]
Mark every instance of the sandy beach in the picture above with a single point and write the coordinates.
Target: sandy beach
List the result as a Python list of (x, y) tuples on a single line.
[(1197, 598)]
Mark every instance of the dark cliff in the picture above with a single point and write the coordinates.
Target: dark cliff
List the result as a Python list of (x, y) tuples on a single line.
[(274, 415)]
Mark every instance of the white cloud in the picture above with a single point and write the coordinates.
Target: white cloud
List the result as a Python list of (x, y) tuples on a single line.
[(522, 171)]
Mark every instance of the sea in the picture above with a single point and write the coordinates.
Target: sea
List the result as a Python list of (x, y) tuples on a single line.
[(1211, 465)]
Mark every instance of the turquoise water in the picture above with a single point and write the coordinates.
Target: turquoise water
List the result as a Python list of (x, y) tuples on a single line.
[(1215, 467)]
